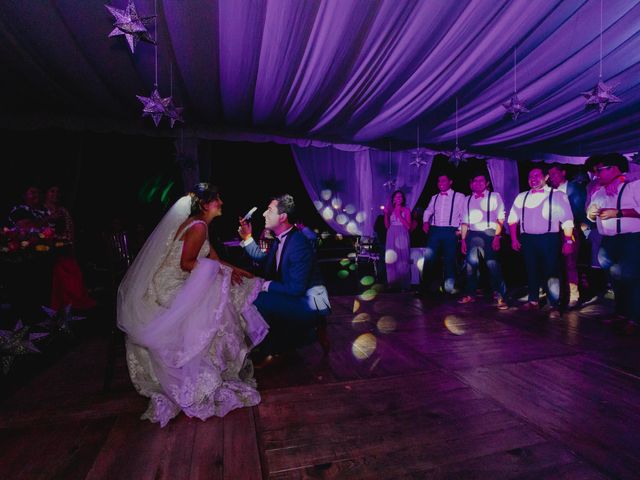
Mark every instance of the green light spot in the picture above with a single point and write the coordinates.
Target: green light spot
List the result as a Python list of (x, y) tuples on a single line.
[(344, 262), (343, 274), (367, 280)]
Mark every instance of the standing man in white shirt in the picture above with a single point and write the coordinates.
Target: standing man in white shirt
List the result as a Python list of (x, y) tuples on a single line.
[(441, 220), (615, 207), (540, 213), (483, 218)]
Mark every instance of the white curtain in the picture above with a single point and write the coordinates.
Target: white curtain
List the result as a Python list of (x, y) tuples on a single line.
[(504, 178)]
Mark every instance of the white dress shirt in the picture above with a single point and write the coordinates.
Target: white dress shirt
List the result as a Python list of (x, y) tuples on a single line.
[(630, 199), (474, 212), (440, 207), (536, 211)]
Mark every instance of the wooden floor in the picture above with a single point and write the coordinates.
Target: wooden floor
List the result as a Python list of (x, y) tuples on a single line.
[(410, 389)]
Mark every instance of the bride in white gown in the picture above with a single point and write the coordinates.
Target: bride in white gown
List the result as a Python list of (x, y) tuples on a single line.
[(189, 318)]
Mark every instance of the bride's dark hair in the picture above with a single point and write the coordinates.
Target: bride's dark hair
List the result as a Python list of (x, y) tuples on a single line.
[(202, 193)]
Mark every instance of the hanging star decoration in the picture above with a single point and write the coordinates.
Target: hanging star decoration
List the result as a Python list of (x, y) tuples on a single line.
[(417, 161), (131, 25), (601, 95), (154, 106), (173, 113), (59, 320), (457, 156), (17, 342), (515, 106), (389, 184)]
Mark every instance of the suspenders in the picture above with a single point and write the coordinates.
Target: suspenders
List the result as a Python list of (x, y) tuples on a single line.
[(524, 203), (619, 204), (435, 202), (469, 209)]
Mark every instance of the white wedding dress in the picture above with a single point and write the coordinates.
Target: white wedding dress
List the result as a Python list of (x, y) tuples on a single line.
[(188, 334)]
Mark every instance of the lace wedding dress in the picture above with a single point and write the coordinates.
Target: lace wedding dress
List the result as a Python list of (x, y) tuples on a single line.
[(188, 334)]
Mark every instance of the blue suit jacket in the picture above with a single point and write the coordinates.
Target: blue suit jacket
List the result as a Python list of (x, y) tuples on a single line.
[(298, 270)]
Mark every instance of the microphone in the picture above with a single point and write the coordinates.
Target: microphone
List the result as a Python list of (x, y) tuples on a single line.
[(249, 214)]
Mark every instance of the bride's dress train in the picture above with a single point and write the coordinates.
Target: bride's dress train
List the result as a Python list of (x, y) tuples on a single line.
[(189, 335)]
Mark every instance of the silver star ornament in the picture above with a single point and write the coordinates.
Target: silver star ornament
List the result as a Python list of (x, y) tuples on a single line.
[(17, 342), (154, 106), (131, 25), (417, 159), (457, 156), (601, 95), (389, 184), (515, 106), (173, 113), (59, 321)]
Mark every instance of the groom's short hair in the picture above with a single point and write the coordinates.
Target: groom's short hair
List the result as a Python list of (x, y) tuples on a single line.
[(286, 205)]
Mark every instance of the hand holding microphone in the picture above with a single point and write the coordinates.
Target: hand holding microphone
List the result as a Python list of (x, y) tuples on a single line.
[(244, 230), (249, 214)]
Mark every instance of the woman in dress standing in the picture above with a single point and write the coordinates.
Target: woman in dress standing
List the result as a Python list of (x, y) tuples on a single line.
[(397, 219)]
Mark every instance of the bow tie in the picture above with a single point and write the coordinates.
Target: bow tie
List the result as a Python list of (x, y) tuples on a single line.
[(534, 190), (444, 193), (476, 195)]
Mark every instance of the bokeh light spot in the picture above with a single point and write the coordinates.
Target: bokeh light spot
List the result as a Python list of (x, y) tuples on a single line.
[(356, 305), (368, 295), (454, 324), (325, 194), (361, 318), (342, 274), (367, 280), (390, 256), (327, 213), (364, 346), (387, 324)]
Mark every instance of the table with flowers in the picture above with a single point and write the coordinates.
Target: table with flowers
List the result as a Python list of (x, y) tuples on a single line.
[(26, 261)]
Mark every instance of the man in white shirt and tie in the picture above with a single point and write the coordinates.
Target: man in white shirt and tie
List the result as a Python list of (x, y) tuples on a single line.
[(441, 220), (540, 213), (483, 217), (615, 207)]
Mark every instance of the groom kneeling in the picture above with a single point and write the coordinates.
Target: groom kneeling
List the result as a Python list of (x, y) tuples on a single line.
[(293, 297)]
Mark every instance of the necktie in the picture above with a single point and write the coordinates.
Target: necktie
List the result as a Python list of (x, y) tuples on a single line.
[(444, 193), (533, 190), (271, 268), (481, 195)]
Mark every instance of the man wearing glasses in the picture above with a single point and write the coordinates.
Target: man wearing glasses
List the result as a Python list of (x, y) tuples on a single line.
[(615, 207)]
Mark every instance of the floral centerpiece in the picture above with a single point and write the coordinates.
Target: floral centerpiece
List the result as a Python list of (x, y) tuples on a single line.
[(17, 243)]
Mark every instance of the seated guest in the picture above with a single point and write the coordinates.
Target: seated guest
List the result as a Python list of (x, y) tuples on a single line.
[(441, 220), (482, 222), (293, 297), (30, 213), (540, 213), (576, 194), (67, 287), (615, 207)]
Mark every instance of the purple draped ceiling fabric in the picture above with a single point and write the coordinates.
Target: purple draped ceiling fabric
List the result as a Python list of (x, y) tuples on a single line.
[(347, 186), (339, 71)]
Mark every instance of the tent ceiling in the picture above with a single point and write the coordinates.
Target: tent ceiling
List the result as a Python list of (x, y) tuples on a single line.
[(344, 71)]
